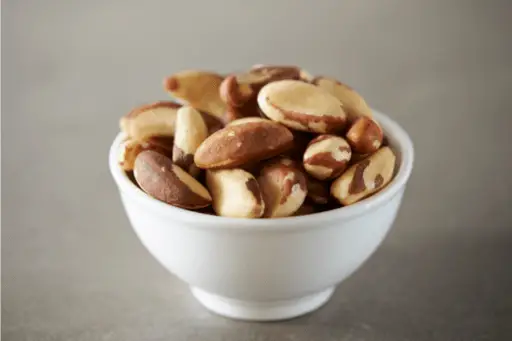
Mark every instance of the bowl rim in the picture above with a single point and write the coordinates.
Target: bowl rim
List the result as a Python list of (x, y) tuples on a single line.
[(392, 129)]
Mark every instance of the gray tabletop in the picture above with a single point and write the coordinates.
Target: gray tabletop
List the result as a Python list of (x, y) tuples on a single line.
[(72, 268)]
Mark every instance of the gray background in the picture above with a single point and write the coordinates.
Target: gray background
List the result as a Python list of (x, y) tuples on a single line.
[(74, 270)]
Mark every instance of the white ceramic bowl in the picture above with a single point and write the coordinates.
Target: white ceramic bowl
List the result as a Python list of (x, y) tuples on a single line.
[(266, 269)]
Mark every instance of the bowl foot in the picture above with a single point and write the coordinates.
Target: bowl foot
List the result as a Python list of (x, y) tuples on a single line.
[(262, 311)]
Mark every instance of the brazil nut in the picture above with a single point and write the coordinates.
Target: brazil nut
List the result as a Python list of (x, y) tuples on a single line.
[(284, 190), (240, 144), (191, 131), (160, 178), (302, 106), (353, 103), (365, 177), (236, 193), (327, 156), (365, 135)]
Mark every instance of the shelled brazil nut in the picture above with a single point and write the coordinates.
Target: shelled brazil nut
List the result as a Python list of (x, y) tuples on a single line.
[(269, 142)]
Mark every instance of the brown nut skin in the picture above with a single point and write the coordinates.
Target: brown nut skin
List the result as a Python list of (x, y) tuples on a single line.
[(154, 119), (235, 193), (160, 178), (198, 88), (131, 148), (318, 191), (191, 131), (365, 136), (365, 178), (239, 91), (305, 209), (284, 190), (302, 106), (240, 144), (353, 103), (327, 156)]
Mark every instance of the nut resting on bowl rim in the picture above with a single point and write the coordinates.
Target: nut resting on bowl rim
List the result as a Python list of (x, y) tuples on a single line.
[(266, 269)]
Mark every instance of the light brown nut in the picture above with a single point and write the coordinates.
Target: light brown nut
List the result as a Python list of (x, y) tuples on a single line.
[(327, 156), (155, 119), (302, 106), (191, 131), (131, 148), (365, 178), (198, 88), (212, 122), (237, 145), (353, 103), (305, 76), (284, 190), (246, 120), (318, 191), (159, 177), (365, 135), (235, 193)]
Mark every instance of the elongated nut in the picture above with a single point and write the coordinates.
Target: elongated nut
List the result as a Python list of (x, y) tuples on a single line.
[(354, 105), (365, 178), (284, 190), (155, 119), (235, 193), (131, 148), (365, 135), (302, 106), (191, 131), (198, 88), (237, 145), (327, 156), (159, 177), (318, 191)]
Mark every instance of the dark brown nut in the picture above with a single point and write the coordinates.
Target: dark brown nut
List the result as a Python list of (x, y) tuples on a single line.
[(302, 106), (284, 190), (318, 191), (357, 157), (365, 178), (305, 209), (235, 193), (155, 119), (354, 105), (160, 178), (365, 135), (327, 156), (191, 131), (131, 148), (198, 88), (239, 91), (240, 144)]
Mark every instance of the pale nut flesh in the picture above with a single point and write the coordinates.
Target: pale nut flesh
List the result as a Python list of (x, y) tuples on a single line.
[(365, 178), (246, 120), (235, 193), (155, 119), (327, 156), (245, 143), (160, 178), (302, 106), (353, 103), (191, 131), (198, 88), (284, 190), (130, 148), (365, 135)]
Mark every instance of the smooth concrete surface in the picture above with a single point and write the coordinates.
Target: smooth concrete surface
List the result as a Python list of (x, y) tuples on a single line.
[(72, 268)]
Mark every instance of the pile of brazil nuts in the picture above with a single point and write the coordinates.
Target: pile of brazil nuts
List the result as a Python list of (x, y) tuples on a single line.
[(269, 142)]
